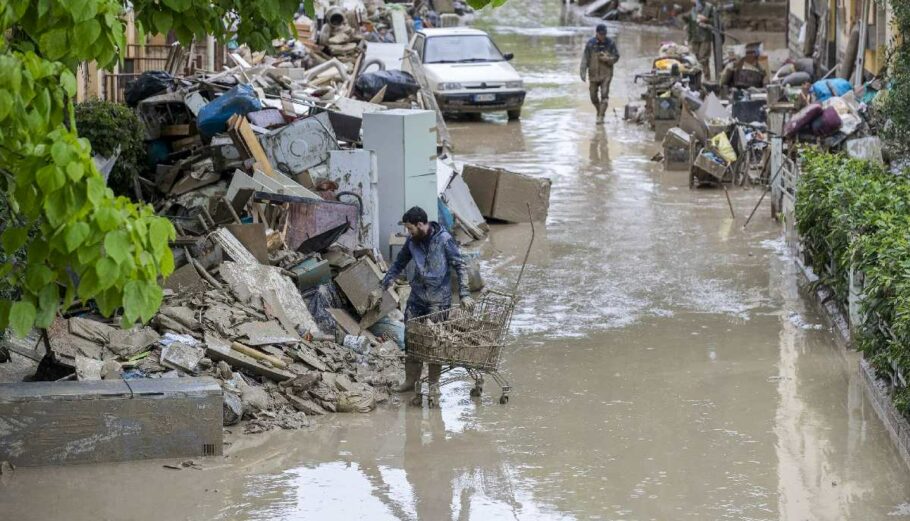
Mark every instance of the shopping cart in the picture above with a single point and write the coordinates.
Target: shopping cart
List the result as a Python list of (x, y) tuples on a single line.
[(471, 339)]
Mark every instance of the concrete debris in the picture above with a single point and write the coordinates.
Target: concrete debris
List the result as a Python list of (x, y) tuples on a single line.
[(127, 343), (253, 282), (88, 369), (264, 333), (111, 370), (306, 405), (283, 209), (254, 398), (180, 356)]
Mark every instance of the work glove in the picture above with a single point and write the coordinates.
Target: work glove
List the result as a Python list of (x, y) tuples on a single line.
[(467, 303)]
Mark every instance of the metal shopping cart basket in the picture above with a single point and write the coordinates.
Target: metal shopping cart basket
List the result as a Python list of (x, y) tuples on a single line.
[(468, 339)]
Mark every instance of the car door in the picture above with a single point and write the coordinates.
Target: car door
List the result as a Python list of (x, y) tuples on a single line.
[(418, 44)]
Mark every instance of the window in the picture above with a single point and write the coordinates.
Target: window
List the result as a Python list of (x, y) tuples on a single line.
[(461, 49), (419, 44)]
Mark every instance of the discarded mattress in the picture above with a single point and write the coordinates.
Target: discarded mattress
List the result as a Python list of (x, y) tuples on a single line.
[(802, 119), (827, 123)]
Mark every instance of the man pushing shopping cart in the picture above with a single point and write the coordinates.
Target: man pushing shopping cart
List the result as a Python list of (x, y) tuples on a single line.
[(470, 337), (434, 252)]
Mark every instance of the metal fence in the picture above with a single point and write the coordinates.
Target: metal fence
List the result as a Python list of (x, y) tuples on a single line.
[(143, 58)]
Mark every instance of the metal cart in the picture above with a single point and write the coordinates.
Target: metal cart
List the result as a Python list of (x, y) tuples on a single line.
[(470, 339)]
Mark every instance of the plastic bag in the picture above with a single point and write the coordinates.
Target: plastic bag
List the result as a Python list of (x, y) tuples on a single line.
[(148, 84), (359, 400), (850, 120), (665, 64), (398, 84), (390, 329), (721, 145), (824, 89), (214, 115)]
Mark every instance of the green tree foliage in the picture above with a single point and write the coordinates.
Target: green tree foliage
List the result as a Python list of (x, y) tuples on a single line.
[(111, 126), (854, 214), (90, 244)]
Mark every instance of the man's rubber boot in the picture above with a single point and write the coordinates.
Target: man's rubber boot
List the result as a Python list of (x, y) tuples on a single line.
[(601, 110), (412, 370), (433, 373)]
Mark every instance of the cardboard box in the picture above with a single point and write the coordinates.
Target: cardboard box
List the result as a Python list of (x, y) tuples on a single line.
[(482, 182), (504, 195), (513, 194)]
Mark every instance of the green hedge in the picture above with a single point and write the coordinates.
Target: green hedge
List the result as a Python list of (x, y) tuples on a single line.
[(110, 125), (855, 214)]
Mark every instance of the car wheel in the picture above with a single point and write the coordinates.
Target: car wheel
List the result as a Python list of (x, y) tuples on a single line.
[(514, 114)]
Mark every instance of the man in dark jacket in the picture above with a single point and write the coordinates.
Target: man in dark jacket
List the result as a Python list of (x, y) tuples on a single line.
[(434, 252), (700, 36), (597, 66)]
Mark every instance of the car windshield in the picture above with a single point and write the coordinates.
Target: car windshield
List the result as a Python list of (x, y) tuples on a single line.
[(461, 49)]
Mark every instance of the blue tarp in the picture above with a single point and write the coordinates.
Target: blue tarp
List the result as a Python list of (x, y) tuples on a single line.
[(214, 115), (825, 89)]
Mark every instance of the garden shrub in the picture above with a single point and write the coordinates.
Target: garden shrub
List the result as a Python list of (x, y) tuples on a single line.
[(855, 214), (108, 125)]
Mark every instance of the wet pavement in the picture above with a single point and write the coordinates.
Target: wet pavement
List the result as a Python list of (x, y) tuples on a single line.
[(665, 364)]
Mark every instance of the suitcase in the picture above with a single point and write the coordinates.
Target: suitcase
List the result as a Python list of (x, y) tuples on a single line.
[(802, 119), (827, 123)]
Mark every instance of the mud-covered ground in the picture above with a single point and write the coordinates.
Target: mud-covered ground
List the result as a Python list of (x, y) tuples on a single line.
[(665, 365)]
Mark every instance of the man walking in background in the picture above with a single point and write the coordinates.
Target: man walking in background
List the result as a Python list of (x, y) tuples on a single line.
[(699, 23), (597, 67)]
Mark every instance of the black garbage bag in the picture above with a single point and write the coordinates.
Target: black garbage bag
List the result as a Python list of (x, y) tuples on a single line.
[(398, 84), (148, 84)]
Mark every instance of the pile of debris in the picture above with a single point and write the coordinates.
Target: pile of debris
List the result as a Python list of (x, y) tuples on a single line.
[(716, 140), (250, 326), (272, 173), (744, 129), (757, 15)]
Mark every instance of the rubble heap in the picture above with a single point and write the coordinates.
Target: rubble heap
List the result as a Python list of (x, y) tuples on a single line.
[(276, 290)]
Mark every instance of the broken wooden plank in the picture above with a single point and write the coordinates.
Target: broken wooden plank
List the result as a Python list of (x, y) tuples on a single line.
[(238, 360)]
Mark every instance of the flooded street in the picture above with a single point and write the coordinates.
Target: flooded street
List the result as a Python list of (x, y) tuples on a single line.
[(664, 363)]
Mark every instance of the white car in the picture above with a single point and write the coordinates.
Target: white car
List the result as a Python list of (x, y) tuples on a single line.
[(467, 72)]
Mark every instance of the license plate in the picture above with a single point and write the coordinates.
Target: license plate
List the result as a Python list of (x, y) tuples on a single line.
[(485, 97)]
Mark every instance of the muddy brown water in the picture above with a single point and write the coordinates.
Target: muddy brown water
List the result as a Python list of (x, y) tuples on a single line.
[(665, 364)]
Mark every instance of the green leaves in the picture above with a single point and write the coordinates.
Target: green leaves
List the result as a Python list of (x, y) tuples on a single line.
[(13, 238), (88, 242), (50, 179), (141, 300), (162, 21), (854, 221), (54, 43), (117, 246), (75, 234), (22, 317)]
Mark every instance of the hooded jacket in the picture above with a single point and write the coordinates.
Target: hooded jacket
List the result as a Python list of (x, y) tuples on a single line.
[(433, 257)]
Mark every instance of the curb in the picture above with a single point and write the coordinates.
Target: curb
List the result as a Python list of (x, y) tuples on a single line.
[(875, 388)]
